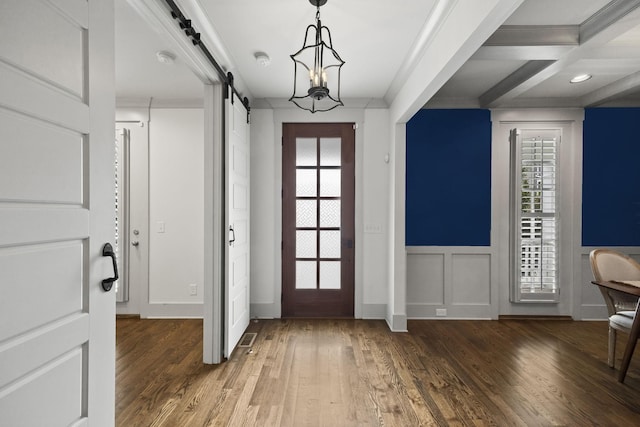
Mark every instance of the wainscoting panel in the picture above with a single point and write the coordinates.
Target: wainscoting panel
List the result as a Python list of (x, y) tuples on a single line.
[(471, 279), (449, 282), (425, 279)]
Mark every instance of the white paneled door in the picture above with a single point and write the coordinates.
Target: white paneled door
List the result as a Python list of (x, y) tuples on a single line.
[(237, 224), (57, 324)]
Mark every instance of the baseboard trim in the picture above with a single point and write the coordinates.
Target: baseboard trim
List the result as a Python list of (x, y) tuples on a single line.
[(532, 317), (397, 323), (272, 311), (172, 311), (264, 311), (374, 311), (127, 316), (594, 311)]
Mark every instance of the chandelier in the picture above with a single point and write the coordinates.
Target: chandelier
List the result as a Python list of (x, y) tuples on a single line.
[(316, 78)]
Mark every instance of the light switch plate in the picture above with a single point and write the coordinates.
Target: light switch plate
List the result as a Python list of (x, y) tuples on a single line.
[(373, 228)]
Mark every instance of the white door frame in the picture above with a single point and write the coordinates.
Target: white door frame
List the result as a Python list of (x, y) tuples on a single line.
[(213, 206)]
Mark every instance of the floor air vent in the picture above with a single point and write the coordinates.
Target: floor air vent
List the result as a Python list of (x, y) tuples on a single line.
[(247, 339)]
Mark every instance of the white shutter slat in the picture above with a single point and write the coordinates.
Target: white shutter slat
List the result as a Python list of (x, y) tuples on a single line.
[(534, 172)]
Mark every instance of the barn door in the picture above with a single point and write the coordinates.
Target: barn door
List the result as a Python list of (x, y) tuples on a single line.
[(57, 323), (237, 224)]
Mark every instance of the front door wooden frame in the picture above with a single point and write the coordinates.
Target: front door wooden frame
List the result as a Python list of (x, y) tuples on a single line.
[(318, 302)]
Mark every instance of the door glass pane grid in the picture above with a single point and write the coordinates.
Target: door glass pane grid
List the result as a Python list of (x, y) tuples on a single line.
[(330, 182), (329, 213), (329, 243), (306, 213), (306, 274), (330, 151), (318, 191), (306, 183), (330, 274), (306, 244), (306, 152)]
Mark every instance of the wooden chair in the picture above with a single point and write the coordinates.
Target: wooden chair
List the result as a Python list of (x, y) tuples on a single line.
[(608, 265)]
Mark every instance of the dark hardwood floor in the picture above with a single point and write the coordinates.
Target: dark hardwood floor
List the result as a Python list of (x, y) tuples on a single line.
[(357, 373)]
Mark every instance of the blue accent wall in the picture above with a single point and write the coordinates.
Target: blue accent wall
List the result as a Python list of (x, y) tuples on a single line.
[(611, 177), (448, 194)]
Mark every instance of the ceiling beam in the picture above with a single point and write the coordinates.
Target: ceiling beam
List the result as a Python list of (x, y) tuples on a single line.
[(520, 53), (535, 35), (458, 35), (603, 26), (605, 17), (512, 81), (437, 17), (625, 86), (527, 39)]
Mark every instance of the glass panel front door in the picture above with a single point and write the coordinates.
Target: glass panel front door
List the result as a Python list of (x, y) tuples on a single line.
[(318, 199), (318, 168)]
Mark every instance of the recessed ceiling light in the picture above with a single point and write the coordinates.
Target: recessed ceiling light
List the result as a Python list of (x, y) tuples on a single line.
[(580, 78), (262, 59), (165, 57)]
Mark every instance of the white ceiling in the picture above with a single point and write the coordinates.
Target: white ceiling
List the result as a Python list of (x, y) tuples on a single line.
[(518, 66), (139, 75), (368, 38)]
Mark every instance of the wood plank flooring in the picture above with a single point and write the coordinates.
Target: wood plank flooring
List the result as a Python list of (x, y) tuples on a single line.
[(357, 373)]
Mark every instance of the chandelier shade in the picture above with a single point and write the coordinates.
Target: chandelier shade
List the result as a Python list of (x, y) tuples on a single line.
[(317, 66)]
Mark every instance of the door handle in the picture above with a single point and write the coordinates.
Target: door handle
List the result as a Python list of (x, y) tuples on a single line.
[(107, 250), (232, 235), (135, 243)]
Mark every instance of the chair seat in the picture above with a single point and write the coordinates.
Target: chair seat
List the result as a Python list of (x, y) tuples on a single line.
[(623, 318)]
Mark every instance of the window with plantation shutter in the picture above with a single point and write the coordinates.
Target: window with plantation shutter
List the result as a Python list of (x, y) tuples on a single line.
[(534, 215)]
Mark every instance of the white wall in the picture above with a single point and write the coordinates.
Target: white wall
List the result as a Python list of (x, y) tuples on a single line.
[(374, 189), (396, 314), (372, 145), (176, 202), (264, 197), (167, 185)]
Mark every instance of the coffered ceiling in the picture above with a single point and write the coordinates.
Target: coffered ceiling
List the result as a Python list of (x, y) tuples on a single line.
[(530, 60)]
